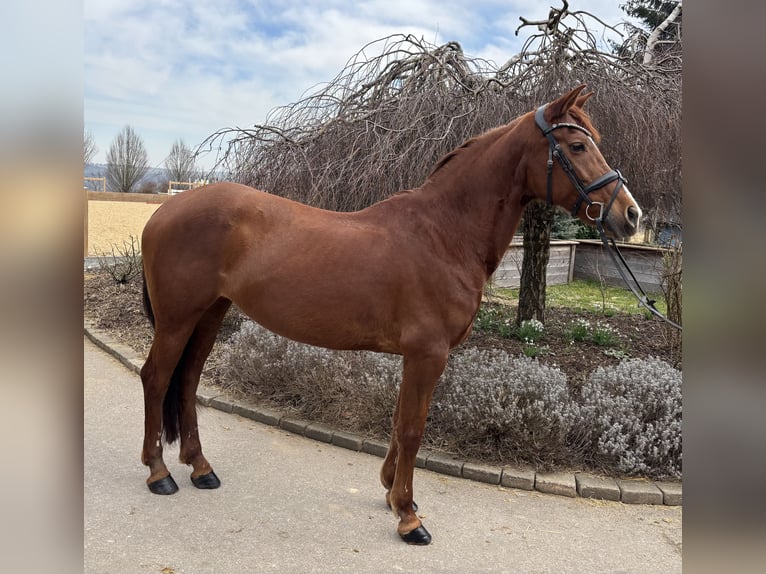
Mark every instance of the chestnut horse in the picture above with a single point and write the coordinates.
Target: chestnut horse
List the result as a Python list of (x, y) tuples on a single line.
[(403, 276)]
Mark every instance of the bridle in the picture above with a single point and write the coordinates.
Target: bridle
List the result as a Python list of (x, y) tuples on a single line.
[(555, 151)]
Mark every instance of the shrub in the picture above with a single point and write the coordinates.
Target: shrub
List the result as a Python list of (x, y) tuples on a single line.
[(514, 407), (636, 409), (489, 405), (124, 264), (350, 389)]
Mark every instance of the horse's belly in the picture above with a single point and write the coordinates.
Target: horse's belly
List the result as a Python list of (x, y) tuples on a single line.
[(331, 317)]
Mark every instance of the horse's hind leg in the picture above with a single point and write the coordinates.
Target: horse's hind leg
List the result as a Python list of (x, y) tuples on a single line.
[(197, 351), (167, 349)]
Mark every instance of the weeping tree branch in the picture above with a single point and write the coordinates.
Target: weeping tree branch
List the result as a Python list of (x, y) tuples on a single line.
[(400, 103)]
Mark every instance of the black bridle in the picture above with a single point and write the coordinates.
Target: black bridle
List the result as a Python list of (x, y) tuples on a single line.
[(555, 151)]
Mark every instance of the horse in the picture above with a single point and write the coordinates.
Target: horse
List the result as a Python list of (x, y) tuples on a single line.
[(403, 276)]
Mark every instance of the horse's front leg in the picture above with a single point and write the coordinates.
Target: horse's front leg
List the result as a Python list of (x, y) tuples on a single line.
[(419, 378)]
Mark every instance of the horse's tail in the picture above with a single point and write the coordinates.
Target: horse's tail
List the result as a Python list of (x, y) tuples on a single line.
[(171, 403), (147, 302)]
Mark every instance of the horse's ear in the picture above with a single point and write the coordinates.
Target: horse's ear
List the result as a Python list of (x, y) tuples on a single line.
[(584, 98), (557, 108)]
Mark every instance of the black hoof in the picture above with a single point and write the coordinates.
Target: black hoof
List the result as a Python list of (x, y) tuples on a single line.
[(209, 480), (414, 506), (163, 486), (418, 537)]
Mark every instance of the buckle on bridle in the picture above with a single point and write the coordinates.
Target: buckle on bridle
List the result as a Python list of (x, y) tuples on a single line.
[(600, 211)]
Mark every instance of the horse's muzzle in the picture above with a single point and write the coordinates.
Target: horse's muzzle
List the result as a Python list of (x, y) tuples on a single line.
[(632, 218)]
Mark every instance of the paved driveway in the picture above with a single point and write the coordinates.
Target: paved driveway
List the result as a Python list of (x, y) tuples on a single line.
[(290, 504)]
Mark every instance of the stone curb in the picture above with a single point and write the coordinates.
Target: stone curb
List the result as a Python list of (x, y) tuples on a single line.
[(559, 483)]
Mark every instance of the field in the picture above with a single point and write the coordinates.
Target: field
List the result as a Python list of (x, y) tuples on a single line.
[(110, 223)]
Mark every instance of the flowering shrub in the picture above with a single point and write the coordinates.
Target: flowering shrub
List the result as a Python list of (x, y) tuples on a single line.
[(489, 405), (495, 319), (579, 330), (636, 412), (530, 331), (318, 383), (511, 405), (604, 335)]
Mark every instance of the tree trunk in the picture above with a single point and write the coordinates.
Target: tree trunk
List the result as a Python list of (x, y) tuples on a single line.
[(538, 219)]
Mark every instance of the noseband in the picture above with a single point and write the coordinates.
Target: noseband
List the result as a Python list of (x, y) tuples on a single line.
[(555, 151)]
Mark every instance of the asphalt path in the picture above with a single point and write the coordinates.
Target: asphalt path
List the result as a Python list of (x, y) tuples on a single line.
[(290, 504)]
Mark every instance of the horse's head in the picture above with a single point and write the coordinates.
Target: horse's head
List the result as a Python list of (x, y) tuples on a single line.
[(570, 171)]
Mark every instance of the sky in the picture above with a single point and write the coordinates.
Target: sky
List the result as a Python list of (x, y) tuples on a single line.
[(175, 69)]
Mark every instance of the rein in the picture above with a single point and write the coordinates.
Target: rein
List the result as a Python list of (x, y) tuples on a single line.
[(554, 151)]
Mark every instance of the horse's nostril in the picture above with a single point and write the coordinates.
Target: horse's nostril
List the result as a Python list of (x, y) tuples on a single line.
[(633, 214)]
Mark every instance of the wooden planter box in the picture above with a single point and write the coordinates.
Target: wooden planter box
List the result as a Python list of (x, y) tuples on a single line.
[(594, 263), (560, 264)]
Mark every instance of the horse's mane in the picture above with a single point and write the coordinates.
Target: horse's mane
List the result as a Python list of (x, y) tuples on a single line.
[(489, 135), (578, 114), (449, 156)]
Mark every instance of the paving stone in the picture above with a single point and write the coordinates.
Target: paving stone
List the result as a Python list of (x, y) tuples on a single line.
[(122, 353), (347, 440), (297, 426), (422, 457), (518, 478), (258, 413), (222, 403), (672, 493), (319, 432), (205, 394), (444, 464), (482, 473), (561, 483), (639, 492), (589, 486), (376, 447)]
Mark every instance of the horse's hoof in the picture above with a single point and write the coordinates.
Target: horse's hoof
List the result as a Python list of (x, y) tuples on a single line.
[(163, 486), (418, 537), (206, 481)]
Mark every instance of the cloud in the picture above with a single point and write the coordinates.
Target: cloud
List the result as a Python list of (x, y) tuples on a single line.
[(175, 69)]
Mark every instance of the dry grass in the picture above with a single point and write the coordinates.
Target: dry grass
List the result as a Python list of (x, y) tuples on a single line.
[(111, 223)]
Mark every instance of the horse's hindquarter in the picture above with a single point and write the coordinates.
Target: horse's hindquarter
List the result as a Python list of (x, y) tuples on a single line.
[(341, 280)]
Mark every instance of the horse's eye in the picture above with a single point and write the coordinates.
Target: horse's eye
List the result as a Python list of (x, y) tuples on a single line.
[(577, 147)]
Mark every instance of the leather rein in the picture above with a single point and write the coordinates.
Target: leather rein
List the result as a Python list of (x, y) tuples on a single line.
[(555, 152)]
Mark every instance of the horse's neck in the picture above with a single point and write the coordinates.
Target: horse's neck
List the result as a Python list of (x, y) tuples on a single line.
[(473, 207)]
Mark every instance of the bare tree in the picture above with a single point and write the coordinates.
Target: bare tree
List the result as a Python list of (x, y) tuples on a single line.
[(126, 161), (658, 41), (180, 163), (655, 37), (89, 148)]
